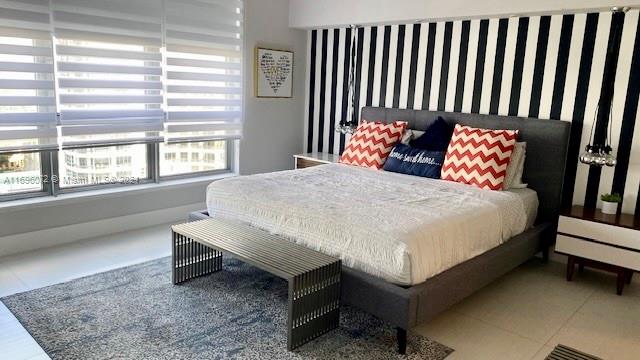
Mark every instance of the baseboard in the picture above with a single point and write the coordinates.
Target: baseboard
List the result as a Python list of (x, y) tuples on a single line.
[(18, 243)]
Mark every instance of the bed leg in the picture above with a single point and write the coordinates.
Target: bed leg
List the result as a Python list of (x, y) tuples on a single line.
[(402, 341), (545, 253)]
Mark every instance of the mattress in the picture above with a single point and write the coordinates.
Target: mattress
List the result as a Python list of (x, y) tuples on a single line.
[(404, 229)]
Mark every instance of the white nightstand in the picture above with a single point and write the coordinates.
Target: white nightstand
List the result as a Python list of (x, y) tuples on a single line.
[(313, 159), (607, 242)]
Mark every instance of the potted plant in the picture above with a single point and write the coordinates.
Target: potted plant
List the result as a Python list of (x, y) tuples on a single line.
[(610, 203)]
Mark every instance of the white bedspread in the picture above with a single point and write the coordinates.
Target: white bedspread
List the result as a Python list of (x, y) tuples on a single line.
[(401, 228)]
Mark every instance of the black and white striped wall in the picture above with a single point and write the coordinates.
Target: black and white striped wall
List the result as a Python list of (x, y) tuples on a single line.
[(547, 67)]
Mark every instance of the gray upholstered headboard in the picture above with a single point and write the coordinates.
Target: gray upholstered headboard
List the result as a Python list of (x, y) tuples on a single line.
[(547, 142)]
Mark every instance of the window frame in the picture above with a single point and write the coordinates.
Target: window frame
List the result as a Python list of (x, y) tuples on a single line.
[(45, 187), (230, 152), (79, 188), (49, 169)]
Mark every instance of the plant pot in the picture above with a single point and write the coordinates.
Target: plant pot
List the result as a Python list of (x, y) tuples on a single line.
[(609, 207)]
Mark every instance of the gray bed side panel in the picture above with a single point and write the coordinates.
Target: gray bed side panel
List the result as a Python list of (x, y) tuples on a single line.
[(391, 303), (448, 288)]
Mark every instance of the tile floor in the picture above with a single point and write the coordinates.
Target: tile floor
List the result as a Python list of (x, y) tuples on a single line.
[(521, 316)]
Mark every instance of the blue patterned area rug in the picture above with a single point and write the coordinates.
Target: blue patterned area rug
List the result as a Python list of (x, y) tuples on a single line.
[(240, 312)]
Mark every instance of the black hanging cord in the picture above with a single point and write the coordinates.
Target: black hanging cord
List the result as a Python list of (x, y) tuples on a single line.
[(352, 76), (604, 117), (349, 121), (608, 143), (593, 125)]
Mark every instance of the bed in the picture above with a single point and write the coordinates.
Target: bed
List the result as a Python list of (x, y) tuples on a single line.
[(393, 226), (411, 247)]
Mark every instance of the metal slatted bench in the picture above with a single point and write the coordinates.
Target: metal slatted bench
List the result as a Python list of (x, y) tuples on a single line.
[(314, 277)]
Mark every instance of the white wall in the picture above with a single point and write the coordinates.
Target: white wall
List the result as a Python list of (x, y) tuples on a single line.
[(28, 225), (273, 132), (333, 13), (273, 128)]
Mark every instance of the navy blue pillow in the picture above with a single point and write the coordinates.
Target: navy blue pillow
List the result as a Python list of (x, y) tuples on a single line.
[(407, 160), (435, 138)]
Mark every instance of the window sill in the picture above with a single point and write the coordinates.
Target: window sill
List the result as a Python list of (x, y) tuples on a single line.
[(82, 196)]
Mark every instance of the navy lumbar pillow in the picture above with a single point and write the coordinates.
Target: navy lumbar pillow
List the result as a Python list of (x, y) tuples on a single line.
[(435, 138), (411, 161)]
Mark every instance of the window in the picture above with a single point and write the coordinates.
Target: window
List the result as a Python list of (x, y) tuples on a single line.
[(20, 173), (102, 162), (108, 70), (69, 160), (109, 165), (205, 156), (27, 102), (123, 160), (204, 63), (142, 89)]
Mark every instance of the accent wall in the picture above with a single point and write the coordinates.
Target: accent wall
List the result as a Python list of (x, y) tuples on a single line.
[(548, 67)]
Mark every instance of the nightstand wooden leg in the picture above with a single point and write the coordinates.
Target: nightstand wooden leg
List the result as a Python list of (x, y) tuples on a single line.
[(581, 268), (622, 278), (629, 276), (571, 262)]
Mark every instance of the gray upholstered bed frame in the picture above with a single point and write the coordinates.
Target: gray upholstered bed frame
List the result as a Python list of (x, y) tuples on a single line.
[(405, 307)]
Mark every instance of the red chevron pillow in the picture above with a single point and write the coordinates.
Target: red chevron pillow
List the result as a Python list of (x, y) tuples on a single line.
[(479, 156), (371, 143)]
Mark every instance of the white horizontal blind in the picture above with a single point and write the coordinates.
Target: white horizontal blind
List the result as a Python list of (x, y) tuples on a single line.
[(204, 77), (27, 101), (126, 71), (109, 71)]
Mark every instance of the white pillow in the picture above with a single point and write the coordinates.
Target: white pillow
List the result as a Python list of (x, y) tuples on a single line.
[(513, 178), (409, 135)]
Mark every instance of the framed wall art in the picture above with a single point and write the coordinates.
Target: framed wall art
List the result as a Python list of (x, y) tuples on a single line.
[(273, 73)]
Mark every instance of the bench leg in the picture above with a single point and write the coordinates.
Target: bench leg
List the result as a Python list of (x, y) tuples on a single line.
[(190, 259), (314, 304)]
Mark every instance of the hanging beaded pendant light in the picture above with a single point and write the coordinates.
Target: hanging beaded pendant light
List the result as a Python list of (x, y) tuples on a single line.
[(599, 154), (349, 125), (598, 151)]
